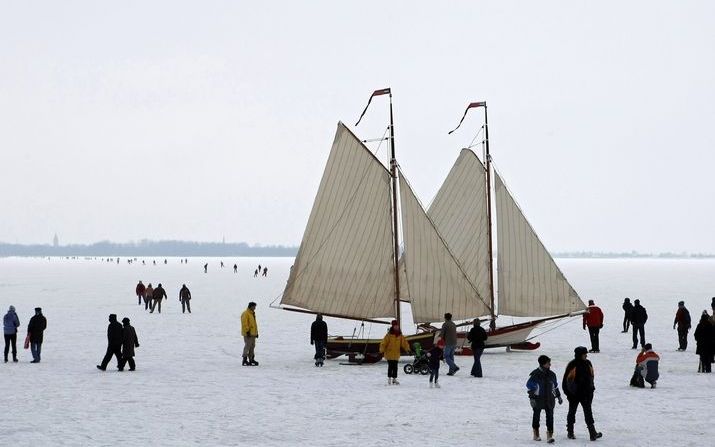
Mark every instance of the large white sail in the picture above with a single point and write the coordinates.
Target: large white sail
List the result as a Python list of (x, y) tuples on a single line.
[(459, 211), (435, 281), (345, 264), (530, 282)]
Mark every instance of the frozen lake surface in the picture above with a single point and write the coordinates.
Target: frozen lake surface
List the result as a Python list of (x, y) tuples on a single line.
[(190, 388)]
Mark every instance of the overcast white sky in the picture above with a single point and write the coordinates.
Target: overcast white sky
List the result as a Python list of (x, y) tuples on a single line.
[(197, 120)]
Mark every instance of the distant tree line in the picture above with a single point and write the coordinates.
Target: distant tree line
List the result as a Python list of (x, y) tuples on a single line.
[(147, 248), (632, 254)]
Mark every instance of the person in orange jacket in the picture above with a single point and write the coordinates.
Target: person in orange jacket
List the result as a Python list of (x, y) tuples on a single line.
[(391, 346), (593, 319)]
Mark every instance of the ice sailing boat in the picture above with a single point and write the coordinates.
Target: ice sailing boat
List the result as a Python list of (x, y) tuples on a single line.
[(530, 284), (346, 266)]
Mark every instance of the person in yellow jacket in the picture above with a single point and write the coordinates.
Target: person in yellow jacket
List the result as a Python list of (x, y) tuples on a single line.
[(390, 347), (249, 330)]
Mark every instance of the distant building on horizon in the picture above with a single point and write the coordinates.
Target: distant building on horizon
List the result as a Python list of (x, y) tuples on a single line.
[(55, 241)]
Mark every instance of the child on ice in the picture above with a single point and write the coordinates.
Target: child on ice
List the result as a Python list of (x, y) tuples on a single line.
[(435, 356), (543, 393)]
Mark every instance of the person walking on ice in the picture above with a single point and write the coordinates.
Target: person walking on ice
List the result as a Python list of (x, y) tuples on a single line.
[(449, 334), (682, 321), (435, 356), (35, 333), (319, 338), (578, 383), (627, 314), (10, 323), (158, 294), (139, 290), (249, 330), (638, 319), (185, 298), (129, 342), (148, 296), (115, 335), (593, 320), (543, 391), (391, 346), (235, 268)]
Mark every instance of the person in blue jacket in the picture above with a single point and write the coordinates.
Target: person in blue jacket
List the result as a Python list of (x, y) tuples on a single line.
[(10, 324), (543, 390)]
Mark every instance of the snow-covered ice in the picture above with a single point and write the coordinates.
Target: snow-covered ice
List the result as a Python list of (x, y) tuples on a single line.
[(190, 387)]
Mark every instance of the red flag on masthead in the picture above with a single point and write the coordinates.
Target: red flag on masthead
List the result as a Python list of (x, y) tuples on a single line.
[(470, 106), (384, 91)]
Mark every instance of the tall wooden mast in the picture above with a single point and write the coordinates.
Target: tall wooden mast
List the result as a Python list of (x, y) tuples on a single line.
[(488, 160), (393, 174)]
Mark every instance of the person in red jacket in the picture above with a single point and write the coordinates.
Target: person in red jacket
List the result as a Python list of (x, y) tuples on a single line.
[(593, 319)]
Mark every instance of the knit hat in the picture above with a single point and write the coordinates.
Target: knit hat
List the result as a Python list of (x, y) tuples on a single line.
[(38, 309), (637, 301), (590, 302), (648, 346), (681, 303), (543, 360), (125, 320), (11, 309), (578, 352)]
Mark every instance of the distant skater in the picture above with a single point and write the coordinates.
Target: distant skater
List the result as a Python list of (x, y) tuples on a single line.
[(148, 296), (249, 330), (221, 264), (259, 267), (319, 338), (139, 290), (638, 319), (129, 342), (255, 273), (206, 267), (477, 336), (391, 346), (543, 391), (35, 332), (705, 343), (165, 262), (235, 268), (185, 298), (627, 314), (158, 295), (10, 323), (265, 271), (593, 319), (682, 321), (115, 335)]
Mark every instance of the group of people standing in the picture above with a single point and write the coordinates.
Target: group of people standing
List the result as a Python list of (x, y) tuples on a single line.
[(153, 297), (121, 341), (35, 334)]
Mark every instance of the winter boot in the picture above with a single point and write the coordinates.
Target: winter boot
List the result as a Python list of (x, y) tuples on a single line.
[(395, 382), (436, 385), (389, 380), (593, 433), (14, 358), (252, 362), (5, 359), (569, 432), (536, 435), (245, 361), (549, 437)]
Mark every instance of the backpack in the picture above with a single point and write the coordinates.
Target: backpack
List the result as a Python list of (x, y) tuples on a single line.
[(570, 384)]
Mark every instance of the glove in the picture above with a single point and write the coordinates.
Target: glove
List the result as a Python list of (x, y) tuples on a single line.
[(561, 401), (137, 345), (532, 401), (311, 342)]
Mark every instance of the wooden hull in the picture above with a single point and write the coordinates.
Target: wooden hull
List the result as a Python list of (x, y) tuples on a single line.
[(367, 350), (513, 337)]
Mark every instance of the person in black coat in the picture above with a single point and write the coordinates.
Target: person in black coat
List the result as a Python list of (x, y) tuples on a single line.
[(477, 336), (129, 342), (638, 319), (35, 330), (319, 338), (579, 387), (115, 334), (158, 294), (705, 343), (543, 390), (627, 314)]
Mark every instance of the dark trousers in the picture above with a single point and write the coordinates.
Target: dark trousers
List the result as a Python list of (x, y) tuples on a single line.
[(319, 350), (434, 374), (477, 366), (155, 304), (638, 330), (11, 339), (392, 368), (186, 303), (593, 333), (139, 298), (626, 323), (36, 350), (585, 402), (549, 418), (683, 338), (705, 363), (146, 303), (112, 351), (126, 360)]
